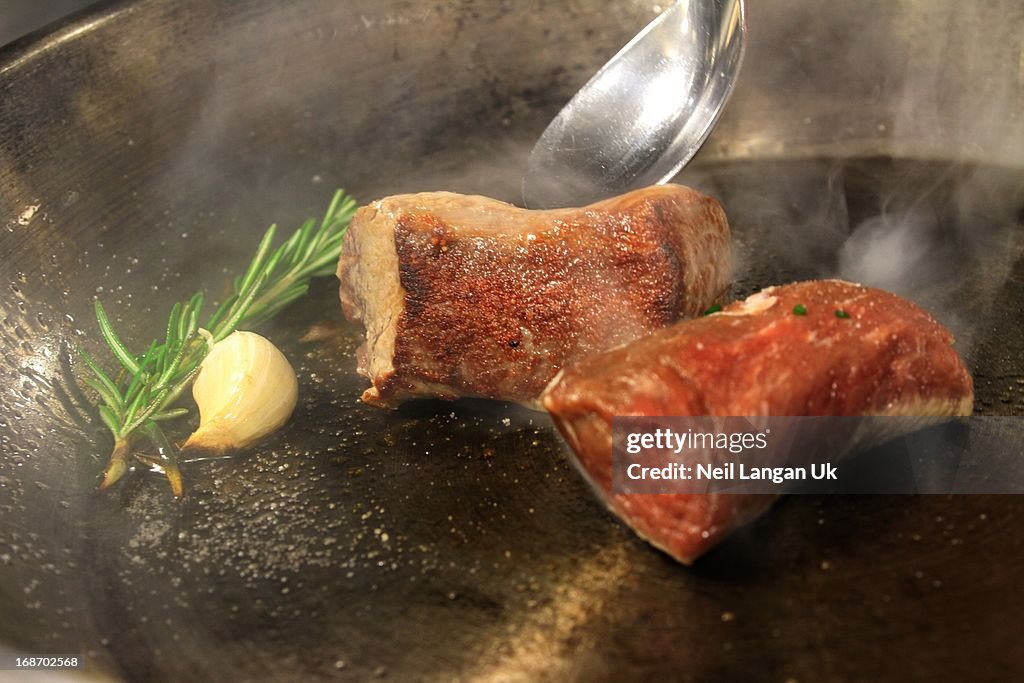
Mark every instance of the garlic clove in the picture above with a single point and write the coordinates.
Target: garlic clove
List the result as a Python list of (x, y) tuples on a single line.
[(245, 390)]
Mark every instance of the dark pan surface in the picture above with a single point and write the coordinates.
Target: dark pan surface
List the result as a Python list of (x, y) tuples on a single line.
[(444, 541)]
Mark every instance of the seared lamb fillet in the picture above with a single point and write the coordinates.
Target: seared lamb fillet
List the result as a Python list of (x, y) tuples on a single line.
[(469, 296), (811, 348)]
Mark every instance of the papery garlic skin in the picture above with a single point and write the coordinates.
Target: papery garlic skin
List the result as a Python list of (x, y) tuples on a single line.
[(245, 390)]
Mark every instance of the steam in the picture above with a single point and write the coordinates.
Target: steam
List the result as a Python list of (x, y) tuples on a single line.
[(948, 238), (956, 221), (888, 253), (921, 108)]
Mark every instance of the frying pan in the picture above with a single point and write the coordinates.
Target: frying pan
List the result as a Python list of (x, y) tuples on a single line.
[(145, 146)]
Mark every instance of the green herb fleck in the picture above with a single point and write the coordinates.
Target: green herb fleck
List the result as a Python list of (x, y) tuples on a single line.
[(714, 309), (840, 313), (799, 309)]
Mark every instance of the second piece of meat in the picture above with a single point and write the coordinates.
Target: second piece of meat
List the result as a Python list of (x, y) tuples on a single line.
[(469, 296), (820, 348)]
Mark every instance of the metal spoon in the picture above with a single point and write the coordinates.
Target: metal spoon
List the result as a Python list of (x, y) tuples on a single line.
[(644, 115)]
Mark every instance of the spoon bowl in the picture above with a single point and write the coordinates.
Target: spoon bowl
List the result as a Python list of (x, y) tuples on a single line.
[(646, 112)]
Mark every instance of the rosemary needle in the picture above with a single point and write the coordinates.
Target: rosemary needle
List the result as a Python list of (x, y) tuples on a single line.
[(141, 394)]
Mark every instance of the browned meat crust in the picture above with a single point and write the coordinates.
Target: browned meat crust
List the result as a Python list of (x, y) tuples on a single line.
[(466, 295), (757, 357)]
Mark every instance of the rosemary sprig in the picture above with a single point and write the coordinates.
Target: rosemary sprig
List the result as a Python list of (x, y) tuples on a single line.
[(142, 393)]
